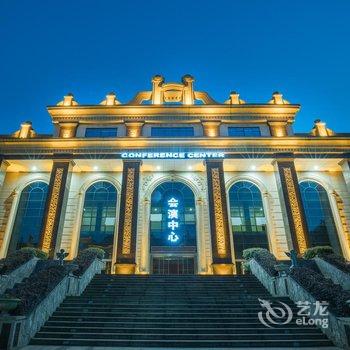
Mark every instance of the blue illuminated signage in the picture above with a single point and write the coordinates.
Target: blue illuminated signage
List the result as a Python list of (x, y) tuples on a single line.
[(172, 155), (173, 217)]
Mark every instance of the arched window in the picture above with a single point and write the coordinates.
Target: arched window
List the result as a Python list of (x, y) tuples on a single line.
[(247, 217), (29, 218), (319, 217), (173, 216), (99, 217)]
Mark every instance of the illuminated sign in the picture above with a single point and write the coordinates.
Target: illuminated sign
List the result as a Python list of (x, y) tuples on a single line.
[(173, 217), (172, 155)]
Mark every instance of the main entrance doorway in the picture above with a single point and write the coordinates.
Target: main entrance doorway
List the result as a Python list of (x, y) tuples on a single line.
[(173, 230)]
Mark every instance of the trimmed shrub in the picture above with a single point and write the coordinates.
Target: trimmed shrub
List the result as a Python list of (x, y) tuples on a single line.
[(319, 251), (85, 258), (100, 253), (14, 260), (323, 289), (36, 252), (36, 287), (263, 257)]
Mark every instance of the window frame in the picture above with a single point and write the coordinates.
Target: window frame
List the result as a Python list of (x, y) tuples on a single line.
[(244, 131), (169, 131), (100, 131)]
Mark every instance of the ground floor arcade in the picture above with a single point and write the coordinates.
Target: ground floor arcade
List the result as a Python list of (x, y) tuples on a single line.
[(175, 215)]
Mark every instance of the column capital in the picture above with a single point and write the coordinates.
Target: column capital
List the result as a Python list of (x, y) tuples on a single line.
[(283, 157), (211, 128), (134, 129)]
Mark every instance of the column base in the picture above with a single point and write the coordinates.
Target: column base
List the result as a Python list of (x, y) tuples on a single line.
[(222, 269), (125, 269)]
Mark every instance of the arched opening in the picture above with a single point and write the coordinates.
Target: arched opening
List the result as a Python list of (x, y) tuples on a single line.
[(248, 219), (173, 229), (319, 217), (99, 217), (29, 218)]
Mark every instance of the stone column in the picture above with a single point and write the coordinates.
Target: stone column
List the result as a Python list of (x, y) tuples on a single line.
[(219, 221), (345, 165), (6, 238), (127, 229), (292, 206), (202, 261), (3, 167), (145, 241), (55, 208)]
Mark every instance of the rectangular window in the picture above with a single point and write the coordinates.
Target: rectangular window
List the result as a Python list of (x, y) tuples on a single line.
[(101, 132), (172, 131), (244, 131)]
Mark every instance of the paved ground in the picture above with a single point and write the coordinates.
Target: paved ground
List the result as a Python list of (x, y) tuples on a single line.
[(36, 347)]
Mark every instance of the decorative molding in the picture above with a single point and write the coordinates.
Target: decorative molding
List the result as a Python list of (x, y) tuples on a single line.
[(51, 217), (296, 211), (129, 194), (218, 213), (146, 182), (199, 182)]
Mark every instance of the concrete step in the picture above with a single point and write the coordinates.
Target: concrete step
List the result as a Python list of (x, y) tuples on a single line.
[(181, 329), (180, 336), (169, 312), (297, 343)]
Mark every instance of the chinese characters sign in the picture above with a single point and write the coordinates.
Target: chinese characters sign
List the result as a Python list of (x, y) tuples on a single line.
[(173, 219)]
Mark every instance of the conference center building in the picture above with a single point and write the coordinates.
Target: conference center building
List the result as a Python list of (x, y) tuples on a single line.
[(174, 182)]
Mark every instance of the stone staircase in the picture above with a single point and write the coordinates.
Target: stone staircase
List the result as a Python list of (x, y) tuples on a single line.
[(172, 311)]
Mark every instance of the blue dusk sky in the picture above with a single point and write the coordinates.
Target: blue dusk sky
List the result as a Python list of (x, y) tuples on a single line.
[(49, 48)]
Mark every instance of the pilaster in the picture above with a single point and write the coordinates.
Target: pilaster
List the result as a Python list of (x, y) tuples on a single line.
[(219, 222), (56, 204), (3, 167), (134, 129), (127, 229), (291, 204), (345, 165), (211, 128)]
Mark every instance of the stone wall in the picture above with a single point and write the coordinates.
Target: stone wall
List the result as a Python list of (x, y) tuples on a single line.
[(16, 276), (332, 272), (23, 328), (338, 329)]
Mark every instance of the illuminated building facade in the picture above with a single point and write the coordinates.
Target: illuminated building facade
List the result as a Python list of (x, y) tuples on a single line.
[(175, 182)]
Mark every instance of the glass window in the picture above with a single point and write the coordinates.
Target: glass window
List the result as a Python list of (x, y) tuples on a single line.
[(319, 217), (172, 131), (243, 131), (99, 217), (29, 218), (173, 219), (247, 217), (101, 132)]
